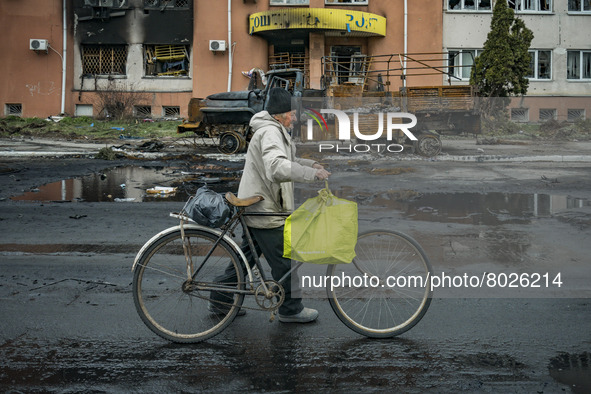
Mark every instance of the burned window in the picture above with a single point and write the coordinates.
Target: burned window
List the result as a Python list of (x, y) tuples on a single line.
[(166, 4), (166, 60), (540, 66), (530, 5), (469, 5), (104, 59), (579, 5), (13, 109), (578, 65)]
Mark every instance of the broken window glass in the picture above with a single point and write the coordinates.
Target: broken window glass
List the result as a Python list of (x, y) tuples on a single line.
[(514, 4), (469, 4), (544, 5), (484, 5), (166, 60), (454, 4), (104, 59)]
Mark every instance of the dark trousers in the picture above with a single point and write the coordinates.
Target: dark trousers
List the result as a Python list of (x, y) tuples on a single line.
[(268, 242)]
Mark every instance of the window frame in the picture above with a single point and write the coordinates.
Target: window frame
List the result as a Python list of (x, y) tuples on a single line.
[(519, 7), (349, 3), (166, 109), (536, 75), (580, 58), (582, 116), (525, 118), (8, 109), (176, 55), (580, 10), (460, 67), (101, 47), (475, 9), (284, 3), (552, 111)]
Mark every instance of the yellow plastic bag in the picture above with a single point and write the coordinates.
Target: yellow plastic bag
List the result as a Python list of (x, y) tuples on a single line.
[(323, 230)]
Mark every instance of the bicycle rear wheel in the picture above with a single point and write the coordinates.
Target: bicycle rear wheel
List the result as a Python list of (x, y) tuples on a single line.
[(180, 309), (386, 290)]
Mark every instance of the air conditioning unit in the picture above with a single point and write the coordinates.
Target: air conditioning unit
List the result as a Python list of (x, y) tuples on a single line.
[(217, 45), (36, 44)]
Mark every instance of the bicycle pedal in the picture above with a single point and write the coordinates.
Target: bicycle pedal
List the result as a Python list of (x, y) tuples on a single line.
[(272, 317)]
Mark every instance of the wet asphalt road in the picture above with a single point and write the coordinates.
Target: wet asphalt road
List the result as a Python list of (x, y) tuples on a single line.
[(68, 322)]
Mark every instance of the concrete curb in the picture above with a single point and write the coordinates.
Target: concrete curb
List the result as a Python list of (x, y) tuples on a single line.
[(240, 157)]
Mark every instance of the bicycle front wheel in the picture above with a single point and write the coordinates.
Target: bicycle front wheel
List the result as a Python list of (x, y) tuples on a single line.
[(177, 306), (386, 290)]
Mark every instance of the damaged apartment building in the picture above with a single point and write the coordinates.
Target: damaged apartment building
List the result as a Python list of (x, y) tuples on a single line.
[(152, 56)]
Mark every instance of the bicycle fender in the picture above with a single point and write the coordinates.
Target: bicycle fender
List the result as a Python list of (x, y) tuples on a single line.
[(172, 229)]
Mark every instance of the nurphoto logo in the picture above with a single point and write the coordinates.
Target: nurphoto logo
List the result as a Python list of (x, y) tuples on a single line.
[(394, 125)]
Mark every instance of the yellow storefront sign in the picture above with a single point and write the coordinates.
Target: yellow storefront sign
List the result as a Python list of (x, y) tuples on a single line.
[(318, 19)]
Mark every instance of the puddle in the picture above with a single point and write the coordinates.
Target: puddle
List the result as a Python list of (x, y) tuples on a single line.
[(469, 208), (129, 184), (573, 370)]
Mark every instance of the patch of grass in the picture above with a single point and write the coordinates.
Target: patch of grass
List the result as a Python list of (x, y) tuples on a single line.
[(85, 127)]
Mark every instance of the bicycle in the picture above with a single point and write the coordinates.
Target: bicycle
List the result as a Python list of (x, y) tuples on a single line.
[(175, 271)]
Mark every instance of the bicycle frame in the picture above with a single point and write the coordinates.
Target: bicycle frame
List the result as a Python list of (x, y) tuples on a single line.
[(254, 273)]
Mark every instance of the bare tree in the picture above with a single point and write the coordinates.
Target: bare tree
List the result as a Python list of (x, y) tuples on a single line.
[(117, 100)]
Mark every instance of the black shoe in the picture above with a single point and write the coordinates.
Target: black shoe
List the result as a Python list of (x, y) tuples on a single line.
[(222, 311)]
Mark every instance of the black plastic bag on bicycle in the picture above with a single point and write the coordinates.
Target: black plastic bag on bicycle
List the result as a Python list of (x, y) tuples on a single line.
[(207, 208)]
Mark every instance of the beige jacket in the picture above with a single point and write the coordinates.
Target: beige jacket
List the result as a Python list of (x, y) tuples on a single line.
[(270, 169)]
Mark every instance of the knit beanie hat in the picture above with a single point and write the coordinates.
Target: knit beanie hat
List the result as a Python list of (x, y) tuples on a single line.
[(279, 101)]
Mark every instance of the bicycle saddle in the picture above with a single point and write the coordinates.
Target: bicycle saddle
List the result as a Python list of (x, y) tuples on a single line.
[(242, 202)]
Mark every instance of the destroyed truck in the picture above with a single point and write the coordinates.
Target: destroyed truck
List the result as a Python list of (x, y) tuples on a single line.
[(225, 116)]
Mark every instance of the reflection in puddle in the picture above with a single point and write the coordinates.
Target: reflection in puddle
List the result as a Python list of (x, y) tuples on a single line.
[(470, 208), (574, 370), (129, 184)]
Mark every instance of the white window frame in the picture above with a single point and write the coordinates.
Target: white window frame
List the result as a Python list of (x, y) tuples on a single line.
[(348, 2), (580, 60), (289, 2), (536, 55), (462, 6), (459, 68), (520, 6), (581, 6)]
